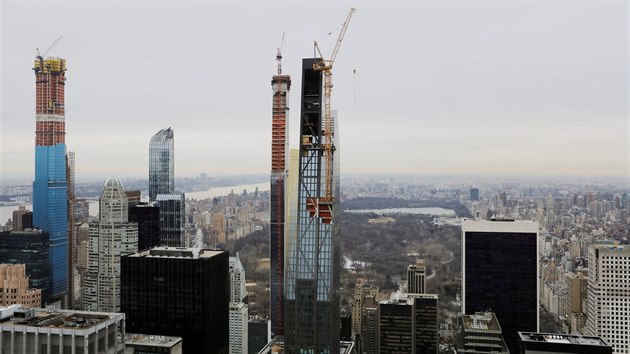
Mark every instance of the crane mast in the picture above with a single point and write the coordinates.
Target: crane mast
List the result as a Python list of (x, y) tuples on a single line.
[(325, 66)]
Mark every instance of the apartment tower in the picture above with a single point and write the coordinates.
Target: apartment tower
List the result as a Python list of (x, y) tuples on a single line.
[(312, 267), (161, 163), (280, 85), (50, 187)]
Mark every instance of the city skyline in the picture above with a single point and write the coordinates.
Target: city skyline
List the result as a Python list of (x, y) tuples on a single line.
[(443, 89)]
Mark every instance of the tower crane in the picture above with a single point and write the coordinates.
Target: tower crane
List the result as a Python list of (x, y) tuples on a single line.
[(279, 55), (325, 66)]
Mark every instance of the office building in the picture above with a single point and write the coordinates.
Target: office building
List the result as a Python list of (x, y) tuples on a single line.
[(15, 288), (150, 344), (22, 219), (148, 219), (50, 187), (500, 273), (312, 268), (407, 323), (536, 343), (608, 296), (480, 333), (474, 194), (161, 163), (111, 237), (181, 292), (172, 218), (417, 278), (30, 330), (259, 334), (30, 248), (280, 84)]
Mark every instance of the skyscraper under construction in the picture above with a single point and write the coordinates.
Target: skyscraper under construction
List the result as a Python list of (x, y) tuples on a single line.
[(50, 187), (312, 269), (280, 84)]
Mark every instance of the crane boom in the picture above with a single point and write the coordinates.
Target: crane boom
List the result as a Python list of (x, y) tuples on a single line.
[(325, 66), (49, 48)]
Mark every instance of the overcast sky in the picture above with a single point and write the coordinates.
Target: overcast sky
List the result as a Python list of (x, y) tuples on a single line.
[(441, 87)]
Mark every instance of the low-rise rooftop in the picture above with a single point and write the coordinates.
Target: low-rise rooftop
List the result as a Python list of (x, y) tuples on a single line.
[(151, 340), (562, 338), (33, 317)]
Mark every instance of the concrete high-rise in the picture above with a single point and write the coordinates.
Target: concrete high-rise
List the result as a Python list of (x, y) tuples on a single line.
[(500, 273), (312, 264), (180, 292), (280, 84), (161, 163), (50, 187), (417, 277), (111, 237), (362, 289), (608, 298)]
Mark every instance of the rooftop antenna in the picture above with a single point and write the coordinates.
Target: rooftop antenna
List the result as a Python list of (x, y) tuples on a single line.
[(279, 55)]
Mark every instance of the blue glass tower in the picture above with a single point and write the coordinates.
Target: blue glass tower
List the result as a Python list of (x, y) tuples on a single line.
[(50, 188)]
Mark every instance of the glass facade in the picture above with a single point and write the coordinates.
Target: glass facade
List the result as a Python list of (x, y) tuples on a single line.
[(50, 210), (177, 293), (148, 219), (172, 218), (312, 267), (161, 163), (501, 275)]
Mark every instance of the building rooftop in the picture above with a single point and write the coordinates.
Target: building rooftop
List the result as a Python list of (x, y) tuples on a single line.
[(151, 340), (15, 315), (177, 252), (276, 345), (484, 321), (562, 339)]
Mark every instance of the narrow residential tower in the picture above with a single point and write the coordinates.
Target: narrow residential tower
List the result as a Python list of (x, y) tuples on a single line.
[(280, 84)]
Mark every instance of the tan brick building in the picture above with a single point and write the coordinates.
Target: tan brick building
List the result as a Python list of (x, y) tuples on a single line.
[(14, 287)]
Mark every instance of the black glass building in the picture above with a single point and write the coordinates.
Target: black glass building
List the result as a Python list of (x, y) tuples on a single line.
[(500, 274), (32, 249), (148, 219), (181, 292)]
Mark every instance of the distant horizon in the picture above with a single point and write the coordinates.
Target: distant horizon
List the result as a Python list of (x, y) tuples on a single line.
[(478, 178)]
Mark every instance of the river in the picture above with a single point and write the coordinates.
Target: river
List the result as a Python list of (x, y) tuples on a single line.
[(6, 211)]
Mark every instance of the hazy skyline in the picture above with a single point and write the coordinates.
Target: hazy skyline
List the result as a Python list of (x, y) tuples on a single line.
[(466, 87)]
